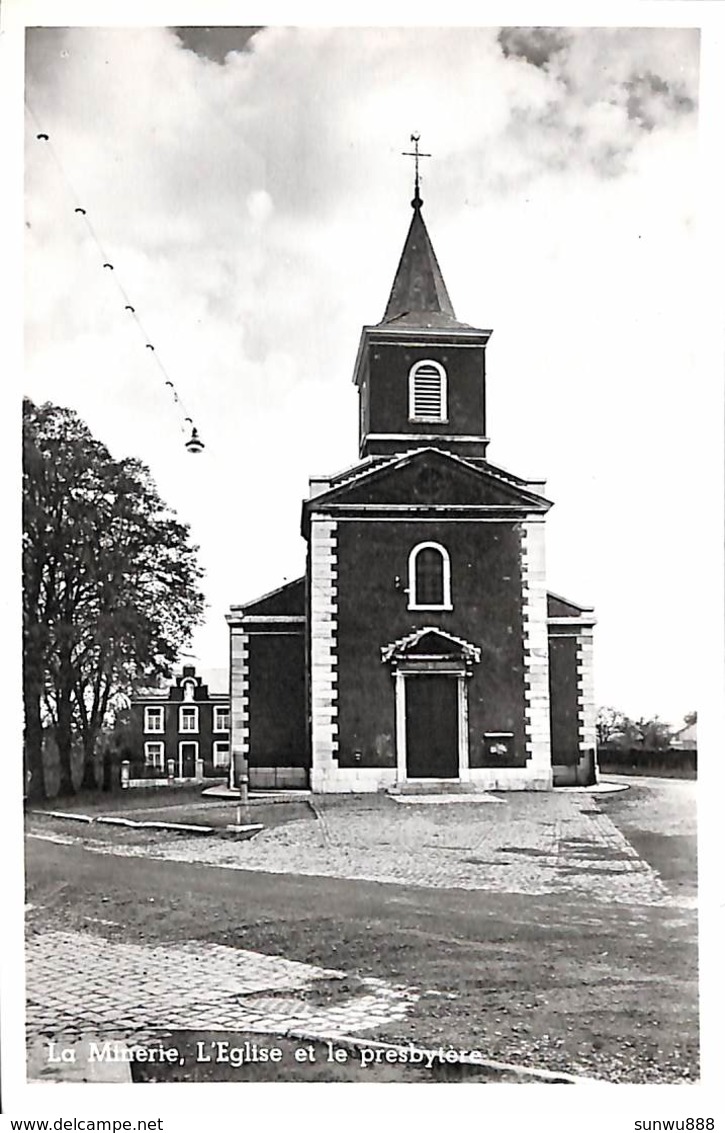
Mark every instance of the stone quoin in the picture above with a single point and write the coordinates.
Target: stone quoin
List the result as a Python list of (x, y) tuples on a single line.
[(421, 648)]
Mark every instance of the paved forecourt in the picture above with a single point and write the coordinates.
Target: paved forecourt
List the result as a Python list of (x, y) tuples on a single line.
[(523, 842)]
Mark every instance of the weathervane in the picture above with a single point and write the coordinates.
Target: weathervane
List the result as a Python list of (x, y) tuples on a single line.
[(415, 138)]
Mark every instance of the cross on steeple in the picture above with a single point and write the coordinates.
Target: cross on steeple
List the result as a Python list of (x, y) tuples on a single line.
[(415, 138)]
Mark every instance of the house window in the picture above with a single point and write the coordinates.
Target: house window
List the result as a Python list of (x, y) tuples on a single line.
[(153, 720), (188, 719), (221, 753), (221, 719), (154, 753), (429, 578), (189, 690), (427, 392)]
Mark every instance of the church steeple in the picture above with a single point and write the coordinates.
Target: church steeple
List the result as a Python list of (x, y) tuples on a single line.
[(419, 295), (420, 372)]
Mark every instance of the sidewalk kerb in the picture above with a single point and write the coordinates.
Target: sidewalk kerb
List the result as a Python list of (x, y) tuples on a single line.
[(64, 814)]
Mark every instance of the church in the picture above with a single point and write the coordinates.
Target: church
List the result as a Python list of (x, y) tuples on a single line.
[(421, 649)]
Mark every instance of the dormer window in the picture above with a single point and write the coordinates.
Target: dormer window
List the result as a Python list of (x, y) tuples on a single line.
[(429, 578), (427, 392)]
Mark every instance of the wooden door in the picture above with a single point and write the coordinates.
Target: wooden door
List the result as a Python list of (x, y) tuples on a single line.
[(187, 760), (431, 726)]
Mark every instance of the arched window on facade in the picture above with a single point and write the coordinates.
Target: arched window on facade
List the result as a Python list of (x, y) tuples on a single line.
[(429, 578), (427, 392)]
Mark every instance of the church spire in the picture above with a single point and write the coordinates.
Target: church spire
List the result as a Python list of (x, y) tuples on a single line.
[(419, 296), (420, 373)]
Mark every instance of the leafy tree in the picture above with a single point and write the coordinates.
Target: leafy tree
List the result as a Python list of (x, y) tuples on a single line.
[(652, 734), (110, 584), (691, 718), (612, 726), (616, 729), (121, 738)]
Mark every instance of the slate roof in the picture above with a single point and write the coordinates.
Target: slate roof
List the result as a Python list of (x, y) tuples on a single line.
[(216, 680), (286, 600), (558, 607), (419, 297)]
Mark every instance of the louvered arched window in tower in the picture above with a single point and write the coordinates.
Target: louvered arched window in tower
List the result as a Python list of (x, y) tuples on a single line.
[(429, 578), (427, 392)]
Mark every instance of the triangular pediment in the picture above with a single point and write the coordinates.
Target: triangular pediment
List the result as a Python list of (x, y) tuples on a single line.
[(431, 642), (434, 478)]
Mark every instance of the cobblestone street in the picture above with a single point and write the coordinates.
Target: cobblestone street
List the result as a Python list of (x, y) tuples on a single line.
[(79, 982), (525, 843)]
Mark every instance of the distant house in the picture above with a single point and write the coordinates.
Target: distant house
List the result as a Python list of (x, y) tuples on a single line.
[(685, 737), (182, 731)]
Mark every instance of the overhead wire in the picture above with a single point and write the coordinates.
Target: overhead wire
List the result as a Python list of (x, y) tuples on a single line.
[(194, 443)]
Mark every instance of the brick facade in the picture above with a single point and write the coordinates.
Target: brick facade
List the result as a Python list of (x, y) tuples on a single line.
[(269, 690), (183, 731)]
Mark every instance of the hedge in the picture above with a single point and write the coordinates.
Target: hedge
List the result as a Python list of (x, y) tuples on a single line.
[(653, 761)]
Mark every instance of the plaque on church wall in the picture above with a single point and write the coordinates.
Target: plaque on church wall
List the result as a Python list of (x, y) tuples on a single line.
[(498, 745)]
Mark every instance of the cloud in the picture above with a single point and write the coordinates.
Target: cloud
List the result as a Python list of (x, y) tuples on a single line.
[(534, 45), (607, 87), (652, 101), (216, 43)]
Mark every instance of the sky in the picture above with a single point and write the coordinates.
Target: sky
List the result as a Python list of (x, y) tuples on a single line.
[(250, 189)]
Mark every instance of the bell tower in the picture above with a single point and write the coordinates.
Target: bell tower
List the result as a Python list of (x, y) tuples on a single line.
[(420, 373)]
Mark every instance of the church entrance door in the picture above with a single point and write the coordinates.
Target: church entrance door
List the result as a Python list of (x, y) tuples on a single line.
[(431, 726)]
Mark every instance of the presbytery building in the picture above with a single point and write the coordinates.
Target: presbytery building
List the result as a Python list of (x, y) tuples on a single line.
[(179, 733), (421, 648)]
